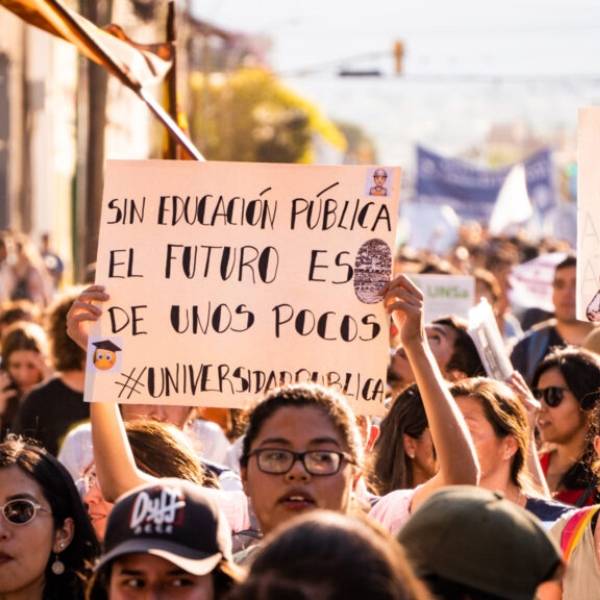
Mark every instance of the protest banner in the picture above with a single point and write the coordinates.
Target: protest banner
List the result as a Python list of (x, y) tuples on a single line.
[(472, 191), (486, 336), (588, 215), (531, 282), (228, 279), (446, 295)]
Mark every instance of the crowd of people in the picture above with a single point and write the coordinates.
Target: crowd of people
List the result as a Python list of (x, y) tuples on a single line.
[(469, 488)]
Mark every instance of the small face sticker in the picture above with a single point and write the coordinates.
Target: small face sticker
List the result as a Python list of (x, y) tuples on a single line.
[(378, 185), (105, 355)]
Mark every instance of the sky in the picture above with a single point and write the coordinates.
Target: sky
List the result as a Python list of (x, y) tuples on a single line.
[(468, 64), (462, 36)]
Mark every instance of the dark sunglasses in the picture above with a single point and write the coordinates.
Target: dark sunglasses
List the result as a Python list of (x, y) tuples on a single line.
[(21, 511), (552, 395)]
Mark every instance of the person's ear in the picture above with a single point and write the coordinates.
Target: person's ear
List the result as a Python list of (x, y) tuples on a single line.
[(510, 447), (63, 536), (597, 445), (410, 445)]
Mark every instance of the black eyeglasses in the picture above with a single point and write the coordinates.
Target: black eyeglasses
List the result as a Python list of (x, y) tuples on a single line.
[(21, 511), (276, 461), (552, 395)]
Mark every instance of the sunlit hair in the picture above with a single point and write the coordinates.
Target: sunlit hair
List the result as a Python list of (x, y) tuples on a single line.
[(66, 354), (23, 336), (162, 450), (302, 395), (505, 413), (393, 468), (18, 310)]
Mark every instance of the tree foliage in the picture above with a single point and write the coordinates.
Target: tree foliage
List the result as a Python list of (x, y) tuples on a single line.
[(249, 115)]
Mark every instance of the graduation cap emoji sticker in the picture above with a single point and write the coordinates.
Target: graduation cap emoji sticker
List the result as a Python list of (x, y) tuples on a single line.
[(105, 355)]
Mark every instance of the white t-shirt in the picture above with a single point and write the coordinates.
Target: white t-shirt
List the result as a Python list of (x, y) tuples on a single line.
[(209, 440), (393, 510)]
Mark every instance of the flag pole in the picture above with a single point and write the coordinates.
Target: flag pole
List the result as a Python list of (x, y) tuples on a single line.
[(174, 129)]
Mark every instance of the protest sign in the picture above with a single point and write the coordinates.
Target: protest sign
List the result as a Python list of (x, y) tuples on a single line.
[(531, 282), (588, 215), (446, 295), (228, 279), (484, 332)]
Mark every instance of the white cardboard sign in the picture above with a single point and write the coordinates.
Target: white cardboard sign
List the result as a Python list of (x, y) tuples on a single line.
[(229, 279), (484, 332), (588, 215), (446, 295)]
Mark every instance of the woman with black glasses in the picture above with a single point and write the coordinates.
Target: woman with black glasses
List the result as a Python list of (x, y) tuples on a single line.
[(47, 544), (567, 382)]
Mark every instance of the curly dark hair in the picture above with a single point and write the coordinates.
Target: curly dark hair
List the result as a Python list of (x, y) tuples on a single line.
[(580, 369)]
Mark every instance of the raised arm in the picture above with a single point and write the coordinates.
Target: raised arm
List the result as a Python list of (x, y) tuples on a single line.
[(115, 465), (454, 447)]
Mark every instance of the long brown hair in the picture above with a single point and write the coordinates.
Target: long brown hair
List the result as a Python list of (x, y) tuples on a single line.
[(162, 450), (393, 468)]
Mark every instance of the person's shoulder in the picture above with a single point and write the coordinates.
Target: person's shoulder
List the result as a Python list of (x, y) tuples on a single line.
[(544, 328), (546, 325), (82, 430), (546, 510), (393, 509), (571, 517), (44, 387), (204, 426)]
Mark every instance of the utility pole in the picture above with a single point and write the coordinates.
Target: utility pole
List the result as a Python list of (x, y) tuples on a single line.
[(171, 79)]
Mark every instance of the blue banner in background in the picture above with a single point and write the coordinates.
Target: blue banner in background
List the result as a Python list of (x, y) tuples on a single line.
[(472, 191)]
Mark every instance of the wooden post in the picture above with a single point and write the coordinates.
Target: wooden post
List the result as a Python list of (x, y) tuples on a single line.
[(171, 79), (92, 125)]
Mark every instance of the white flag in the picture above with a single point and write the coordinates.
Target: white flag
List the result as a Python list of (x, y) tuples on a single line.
[(513, 206)]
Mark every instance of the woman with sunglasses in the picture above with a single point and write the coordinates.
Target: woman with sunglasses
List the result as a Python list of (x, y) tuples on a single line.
[(47, 544), (567, 382), (499, 425)]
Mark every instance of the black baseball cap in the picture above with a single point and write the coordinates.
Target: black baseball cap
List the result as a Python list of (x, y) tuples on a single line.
[(173, 519)]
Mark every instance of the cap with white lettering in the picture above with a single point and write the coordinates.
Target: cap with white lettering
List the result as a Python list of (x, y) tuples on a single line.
[(173, 519)]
